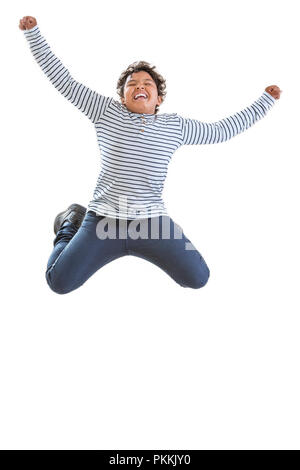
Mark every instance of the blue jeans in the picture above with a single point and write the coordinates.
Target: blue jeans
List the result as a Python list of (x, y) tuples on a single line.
[(79, 253)]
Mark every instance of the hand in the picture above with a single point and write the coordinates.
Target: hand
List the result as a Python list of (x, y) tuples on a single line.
[(274, 91), (27, 22)]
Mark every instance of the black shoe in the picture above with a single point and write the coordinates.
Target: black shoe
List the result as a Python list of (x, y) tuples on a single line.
[(75, 214)]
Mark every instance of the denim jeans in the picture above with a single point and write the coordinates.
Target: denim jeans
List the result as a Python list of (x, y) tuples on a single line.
[(79, 253)]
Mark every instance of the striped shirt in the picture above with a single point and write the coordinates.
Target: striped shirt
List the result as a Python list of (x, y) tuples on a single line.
[(135, 149)]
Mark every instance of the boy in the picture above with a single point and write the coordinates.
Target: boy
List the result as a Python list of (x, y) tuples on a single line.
[(136, 145)]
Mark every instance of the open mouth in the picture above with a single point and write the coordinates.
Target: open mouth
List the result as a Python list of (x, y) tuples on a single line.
[(140, 96)]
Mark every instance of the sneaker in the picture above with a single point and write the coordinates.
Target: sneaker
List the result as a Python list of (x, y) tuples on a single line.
[(75, 214)]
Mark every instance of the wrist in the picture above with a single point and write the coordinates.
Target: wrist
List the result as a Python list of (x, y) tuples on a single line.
[(33, 29)]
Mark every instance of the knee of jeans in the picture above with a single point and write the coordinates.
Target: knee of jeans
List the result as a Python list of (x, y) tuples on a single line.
[(56, 285), (198, 279)]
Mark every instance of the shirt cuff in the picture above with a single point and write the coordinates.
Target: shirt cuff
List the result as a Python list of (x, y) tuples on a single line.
[(267, 95), (31, 32)]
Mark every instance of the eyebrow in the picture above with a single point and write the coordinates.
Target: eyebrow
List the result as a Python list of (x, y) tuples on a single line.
[(146, 80)]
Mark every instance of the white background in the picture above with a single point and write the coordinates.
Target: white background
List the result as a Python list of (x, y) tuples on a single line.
[(131, 360)]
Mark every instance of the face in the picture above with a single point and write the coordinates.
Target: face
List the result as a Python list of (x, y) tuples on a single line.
[(141, 82)]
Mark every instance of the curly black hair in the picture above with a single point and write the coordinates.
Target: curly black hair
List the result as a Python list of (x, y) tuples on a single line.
[(146, 67)]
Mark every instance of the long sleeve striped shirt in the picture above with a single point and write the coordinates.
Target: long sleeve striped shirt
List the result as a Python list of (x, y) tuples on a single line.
[(135, 149)]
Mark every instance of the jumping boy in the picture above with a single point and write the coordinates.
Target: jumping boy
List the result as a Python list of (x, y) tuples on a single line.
[(136, 145)]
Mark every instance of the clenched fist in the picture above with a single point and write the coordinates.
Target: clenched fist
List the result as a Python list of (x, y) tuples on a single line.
[(27, 22), (274, 91)]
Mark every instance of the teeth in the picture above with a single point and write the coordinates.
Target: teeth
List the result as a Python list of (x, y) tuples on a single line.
[(140, 94)]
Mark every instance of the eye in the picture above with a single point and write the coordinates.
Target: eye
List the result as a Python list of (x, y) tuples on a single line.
[(149, 83)]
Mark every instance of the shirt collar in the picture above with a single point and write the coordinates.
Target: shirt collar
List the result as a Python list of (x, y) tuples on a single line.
[(149, 117)]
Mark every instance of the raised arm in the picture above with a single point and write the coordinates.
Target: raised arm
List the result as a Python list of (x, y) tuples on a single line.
[(197, 132), (91, 103)]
